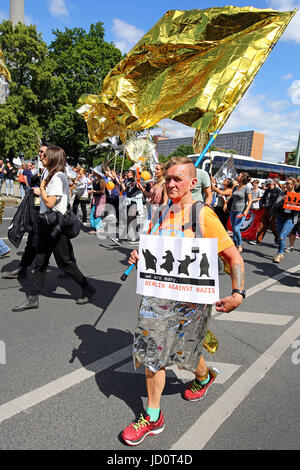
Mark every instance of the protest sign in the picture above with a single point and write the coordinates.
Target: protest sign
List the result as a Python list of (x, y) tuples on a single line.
[(178, 268)]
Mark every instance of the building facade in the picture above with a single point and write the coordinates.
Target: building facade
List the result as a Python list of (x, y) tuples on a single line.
[(248, 143)]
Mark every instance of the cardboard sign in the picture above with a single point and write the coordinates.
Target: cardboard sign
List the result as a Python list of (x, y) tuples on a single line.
[(292, 201), (178, 268)]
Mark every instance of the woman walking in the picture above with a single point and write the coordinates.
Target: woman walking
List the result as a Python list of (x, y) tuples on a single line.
[(241, 203), (54, 198)]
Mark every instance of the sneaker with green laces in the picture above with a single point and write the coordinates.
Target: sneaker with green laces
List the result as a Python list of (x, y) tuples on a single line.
[(135, 433), (196, 391)]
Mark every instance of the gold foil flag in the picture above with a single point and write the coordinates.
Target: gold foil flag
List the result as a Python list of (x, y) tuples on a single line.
[(193, 67)]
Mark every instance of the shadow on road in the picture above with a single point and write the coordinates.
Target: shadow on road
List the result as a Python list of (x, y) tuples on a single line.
[(120, 379)]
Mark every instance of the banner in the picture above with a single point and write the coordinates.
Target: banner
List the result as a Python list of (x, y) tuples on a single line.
[(250, 225), (177, 268), (292, 201), (227, 170)]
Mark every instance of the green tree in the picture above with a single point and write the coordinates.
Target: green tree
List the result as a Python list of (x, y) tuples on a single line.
[(182, 151), (25, 52), (46, 85), (291, 158), (83, 59)]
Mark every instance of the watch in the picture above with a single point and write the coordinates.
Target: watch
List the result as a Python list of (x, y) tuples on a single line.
[(239, 291)]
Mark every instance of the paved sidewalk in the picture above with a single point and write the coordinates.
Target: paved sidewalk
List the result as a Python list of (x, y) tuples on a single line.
[(9, 200)]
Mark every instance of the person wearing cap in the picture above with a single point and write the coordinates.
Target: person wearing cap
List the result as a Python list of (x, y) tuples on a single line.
[(267, 201)]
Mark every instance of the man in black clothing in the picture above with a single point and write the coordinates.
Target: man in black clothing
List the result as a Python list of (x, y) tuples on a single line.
[(32, 241), (267, 201)]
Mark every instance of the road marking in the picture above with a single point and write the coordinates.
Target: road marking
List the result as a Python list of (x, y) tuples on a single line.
[(22, 403), (259, 318), (285, 289), (211, 420), (28, 400)]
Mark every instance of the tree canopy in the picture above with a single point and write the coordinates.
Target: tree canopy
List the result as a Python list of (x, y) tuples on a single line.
[(47, 82)]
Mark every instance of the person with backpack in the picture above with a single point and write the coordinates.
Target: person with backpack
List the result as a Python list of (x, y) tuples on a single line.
[(160, 338), (54, 199)]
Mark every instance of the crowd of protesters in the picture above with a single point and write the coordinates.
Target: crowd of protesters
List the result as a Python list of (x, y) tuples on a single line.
[(103, 194)]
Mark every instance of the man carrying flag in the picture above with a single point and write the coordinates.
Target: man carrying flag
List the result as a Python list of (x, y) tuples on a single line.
[(171, 332)]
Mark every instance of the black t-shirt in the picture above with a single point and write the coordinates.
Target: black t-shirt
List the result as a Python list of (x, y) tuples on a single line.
[(10, 174)]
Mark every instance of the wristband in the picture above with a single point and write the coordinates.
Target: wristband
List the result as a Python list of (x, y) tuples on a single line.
[(238, 291)]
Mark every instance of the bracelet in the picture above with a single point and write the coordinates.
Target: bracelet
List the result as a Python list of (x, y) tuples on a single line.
[(239, 291)]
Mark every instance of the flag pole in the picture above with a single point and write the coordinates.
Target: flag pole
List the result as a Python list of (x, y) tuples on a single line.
[(297, 156)]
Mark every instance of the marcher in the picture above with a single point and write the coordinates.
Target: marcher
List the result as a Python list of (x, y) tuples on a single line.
[(134, 203), (81, 194), (2, 175), (28, 175), (256, 194), (241, 203), (98, 200), (22, 180), (156, 335), (157, 194), (221, 206), (9, 179), (267, 202), (296, 228), (32, 240), (54, 196), (202, 191), (285, 221)]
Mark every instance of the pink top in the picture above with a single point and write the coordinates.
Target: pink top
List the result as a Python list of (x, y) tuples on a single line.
[(156, 195)]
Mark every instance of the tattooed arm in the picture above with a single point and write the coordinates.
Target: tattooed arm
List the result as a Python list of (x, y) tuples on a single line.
[(237, 273)]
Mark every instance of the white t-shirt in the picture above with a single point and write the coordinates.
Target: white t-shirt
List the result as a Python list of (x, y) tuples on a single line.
[(59, 187), (255, 194)]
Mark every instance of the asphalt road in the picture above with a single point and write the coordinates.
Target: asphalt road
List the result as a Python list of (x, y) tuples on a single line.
[(67, 379)]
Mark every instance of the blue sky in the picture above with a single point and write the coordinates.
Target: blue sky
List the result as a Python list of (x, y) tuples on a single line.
[(270, 106)]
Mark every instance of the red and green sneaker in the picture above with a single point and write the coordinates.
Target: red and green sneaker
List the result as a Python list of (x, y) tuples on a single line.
[(195, 391), (135, 433)]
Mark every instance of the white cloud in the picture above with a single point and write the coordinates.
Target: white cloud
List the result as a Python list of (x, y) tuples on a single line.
[(3, 15), (127, 35), (277, 120), (294, 92), (287, 77), (58, 8), (28, 20), (292, 32)]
